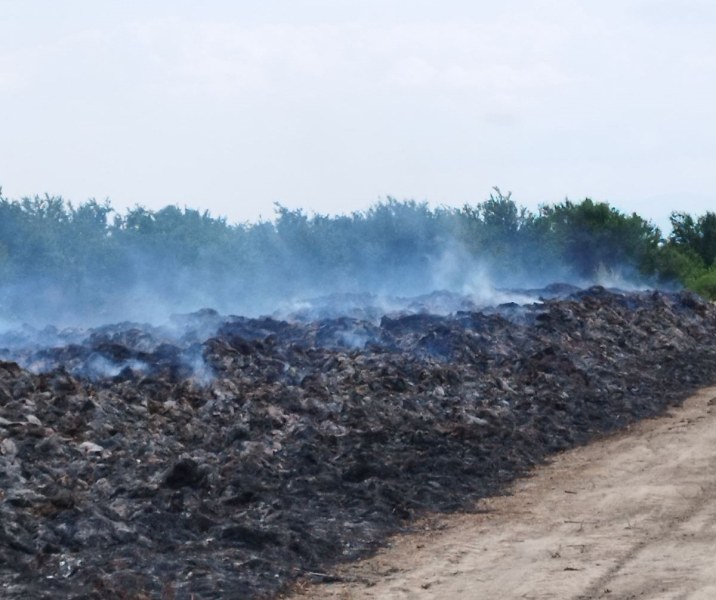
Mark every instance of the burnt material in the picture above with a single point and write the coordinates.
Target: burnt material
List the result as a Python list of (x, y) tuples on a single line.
[(137, 465)]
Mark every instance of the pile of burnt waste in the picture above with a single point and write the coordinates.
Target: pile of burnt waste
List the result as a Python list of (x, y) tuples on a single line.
[(229, 456)]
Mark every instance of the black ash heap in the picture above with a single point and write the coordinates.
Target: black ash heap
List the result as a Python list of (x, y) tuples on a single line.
[(223, 457)]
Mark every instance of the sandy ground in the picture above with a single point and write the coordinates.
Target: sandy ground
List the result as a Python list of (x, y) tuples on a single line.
[(629, 516)]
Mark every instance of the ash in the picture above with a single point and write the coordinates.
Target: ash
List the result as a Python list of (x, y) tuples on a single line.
[(223, 457)]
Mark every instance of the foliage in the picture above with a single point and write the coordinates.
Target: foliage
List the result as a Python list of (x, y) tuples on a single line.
[(705, 283), (673, 263), (697, 235), (594, 236), (58, 259), (689, 254)]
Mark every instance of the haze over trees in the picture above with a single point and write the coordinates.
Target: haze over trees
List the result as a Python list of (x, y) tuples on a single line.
[(59, 260)]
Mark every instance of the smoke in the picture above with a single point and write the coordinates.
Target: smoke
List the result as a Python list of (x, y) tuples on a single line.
[(457, 270), (624, 278), (100, 367), (148, 291), (124, 351), (172, 277)]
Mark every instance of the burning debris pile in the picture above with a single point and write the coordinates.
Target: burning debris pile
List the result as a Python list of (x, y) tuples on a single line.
[(230, 459)]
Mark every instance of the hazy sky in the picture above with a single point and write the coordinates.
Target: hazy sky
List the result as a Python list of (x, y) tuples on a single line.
[(331, 105)]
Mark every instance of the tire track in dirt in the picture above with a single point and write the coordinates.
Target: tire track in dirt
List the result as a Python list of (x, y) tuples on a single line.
[(631, 562), (630, 516)]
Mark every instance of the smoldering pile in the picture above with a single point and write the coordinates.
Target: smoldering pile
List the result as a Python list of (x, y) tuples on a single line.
[(229, 460)]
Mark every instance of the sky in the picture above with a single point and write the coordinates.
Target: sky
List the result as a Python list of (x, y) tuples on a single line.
[(333, 105)]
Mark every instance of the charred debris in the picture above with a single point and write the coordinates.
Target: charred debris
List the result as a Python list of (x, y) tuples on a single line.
[(227, 456)]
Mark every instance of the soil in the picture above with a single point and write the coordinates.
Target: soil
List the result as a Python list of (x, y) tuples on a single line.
[(629, 516)]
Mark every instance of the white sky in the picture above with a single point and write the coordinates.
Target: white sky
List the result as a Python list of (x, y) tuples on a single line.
[(331, 105)]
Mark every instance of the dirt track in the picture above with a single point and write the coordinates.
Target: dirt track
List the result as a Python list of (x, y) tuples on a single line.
[(630, 516)]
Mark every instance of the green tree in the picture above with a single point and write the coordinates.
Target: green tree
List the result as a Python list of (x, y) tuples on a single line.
[(594, 235), (697, 235)]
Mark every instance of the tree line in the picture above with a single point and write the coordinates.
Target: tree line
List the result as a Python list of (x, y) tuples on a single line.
[(57, 257)]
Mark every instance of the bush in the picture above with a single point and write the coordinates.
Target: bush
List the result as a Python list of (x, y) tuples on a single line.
[(705, 284)]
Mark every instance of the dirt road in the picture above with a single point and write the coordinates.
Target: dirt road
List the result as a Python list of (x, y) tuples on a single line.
[(630, 516)]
